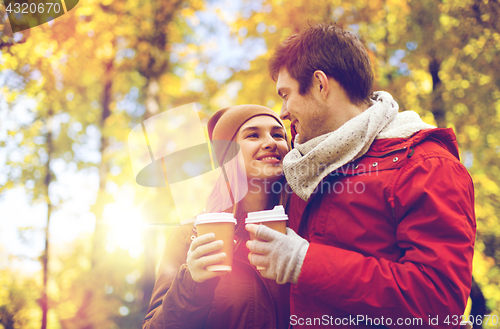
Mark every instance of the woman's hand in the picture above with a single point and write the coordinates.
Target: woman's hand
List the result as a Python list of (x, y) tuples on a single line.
[(197, 258)]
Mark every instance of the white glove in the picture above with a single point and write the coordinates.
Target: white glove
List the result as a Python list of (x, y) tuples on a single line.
[(197, 258), (281, 255)]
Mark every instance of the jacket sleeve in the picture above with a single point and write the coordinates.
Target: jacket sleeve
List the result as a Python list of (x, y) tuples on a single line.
[(177, 300), (435, 232)]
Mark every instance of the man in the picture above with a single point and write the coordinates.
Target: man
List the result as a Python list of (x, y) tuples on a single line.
[(382, 204)]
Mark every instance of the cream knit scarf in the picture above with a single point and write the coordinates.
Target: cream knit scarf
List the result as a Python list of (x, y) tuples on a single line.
[(307, 164)]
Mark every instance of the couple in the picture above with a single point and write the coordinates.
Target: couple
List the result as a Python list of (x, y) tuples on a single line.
[(381, 217)]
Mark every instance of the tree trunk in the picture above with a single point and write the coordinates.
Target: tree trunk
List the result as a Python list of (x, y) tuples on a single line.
[(44, 303), (84, 313), (98, 208), (156, 65), (148, 276), (478, 304), (152, 103), (437, 103)]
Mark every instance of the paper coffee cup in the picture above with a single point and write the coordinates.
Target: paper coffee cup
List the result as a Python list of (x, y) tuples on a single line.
[(275, 219), (222, 225)]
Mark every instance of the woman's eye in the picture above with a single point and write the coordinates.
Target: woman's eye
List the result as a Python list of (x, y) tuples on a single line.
[(279, 135), (254, 135)]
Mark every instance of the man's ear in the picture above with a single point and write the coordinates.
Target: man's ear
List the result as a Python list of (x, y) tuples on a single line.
[(321, 84)]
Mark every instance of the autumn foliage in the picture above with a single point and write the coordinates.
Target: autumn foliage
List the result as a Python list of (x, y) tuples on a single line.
[(71, 91)]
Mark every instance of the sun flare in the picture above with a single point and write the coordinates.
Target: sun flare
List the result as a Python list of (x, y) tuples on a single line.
[(125, 224)]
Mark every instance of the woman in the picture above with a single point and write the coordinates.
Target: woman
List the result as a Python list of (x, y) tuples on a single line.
[(188, 296)]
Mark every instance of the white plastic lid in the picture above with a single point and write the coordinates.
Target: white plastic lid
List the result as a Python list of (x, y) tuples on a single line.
[(277, 214), (214, 217), (218, 268)]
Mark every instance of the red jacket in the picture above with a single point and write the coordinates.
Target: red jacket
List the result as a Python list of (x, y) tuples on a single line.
[(392, 240)]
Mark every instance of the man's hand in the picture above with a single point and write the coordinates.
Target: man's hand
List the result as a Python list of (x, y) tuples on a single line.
[(197, 258), (281, 255)]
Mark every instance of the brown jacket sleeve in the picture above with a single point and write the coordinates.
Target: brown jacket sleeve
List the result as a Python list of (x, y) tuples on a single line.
[(177, 300)]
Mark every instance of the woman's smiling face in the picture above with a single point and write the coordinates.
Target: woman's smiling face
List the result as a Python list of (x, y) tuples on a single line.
[(263, 145)]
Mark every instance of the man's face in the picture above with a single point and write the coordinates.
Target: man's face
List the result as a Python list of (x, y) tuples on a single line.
[(304, 111)]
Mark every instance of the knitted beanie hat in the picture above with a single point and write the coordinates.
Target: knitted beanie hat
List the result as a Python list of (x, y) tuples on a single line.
[(225, 123)]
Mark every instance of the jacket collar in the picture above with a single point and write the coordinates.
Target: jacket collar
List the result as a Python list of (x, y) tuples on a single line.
[(443, 136)]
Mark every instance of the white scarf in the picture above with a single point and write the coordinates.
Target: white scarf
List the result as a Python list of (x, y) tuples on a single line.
[(307, 164)]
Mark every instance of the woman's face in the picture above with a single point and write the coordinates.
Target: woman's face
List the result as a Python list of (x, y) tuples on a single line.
[(263, 145)]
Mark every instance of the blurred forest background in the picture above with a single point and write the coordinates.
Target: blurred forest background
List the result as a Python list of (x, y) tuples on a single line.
[(80, 249)]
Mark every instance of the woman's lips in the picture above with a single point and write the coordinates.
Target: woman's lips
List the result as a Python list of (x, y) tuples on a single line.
[(271, 160)]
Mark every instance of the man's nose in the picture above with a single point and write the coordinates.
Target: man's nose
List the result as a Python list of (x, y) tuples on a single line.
[(284, 115)]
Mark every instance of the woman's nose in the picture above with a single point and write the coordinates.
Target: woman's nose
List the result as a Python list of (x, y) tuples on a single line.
[(269, 143)]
